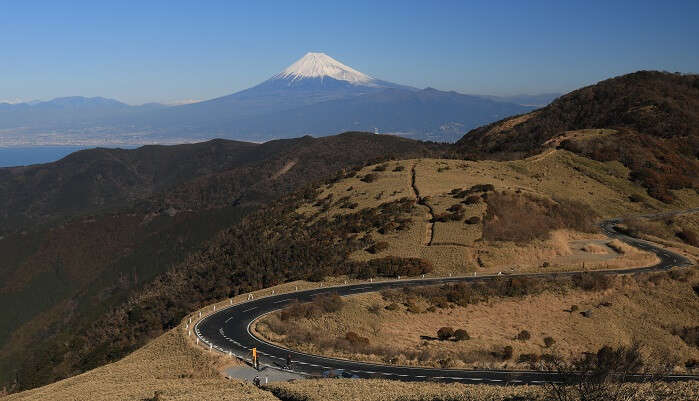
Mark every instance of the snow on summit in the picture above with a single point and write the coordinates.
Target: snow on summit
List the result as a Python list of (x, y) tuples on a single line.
[(319, 65)]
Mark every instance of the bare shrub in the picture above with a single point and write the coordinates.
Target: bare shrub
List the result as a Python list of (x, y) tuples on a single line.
[(611, 374)]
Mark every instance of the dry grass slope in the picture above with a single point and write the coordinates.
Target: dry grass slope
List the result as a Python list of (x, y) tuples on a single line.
[(648, 308), (167, 365), (455, 227), (386, 390)]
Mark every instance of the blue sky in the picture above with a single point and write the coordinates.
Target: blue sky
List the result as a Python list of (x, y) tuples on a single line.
[(170, 51)]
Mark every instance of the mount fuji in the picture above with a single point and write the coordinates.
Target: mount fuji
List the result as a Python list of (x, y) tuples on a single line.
[(315, 95)]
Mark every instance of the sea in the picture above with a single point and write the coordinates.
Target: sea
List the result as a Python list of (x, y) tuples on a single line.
[(24, 156)]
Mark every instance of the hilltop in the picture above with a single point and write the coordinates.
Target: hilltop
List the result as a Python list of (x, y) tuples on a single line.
[(647, 120)]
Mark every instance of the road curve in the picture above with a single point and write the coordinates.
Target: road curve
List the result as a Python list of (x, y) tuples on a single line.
[(228, 330)]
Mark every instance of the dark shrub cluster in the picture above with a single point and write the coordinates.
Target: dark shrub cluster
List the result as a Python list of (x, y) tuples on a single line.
[(371, 177), (524, 217), (320, 305), (478, 188), (689, 237), (523, 335), (445, 333), (378, 247), (689, 335), (592, 281)]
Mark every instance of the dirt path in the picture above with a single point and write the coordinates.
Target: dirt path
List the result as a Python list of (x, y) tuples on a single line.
[(429, 226)]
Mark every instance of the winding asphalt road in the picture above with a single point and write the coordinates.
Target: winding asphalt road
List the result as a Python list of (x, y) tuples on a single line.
[(228, 330)]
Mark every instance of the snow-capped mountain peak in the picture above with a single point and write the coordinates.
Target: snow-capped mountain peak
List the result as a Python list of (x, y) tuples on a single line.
[(320, 65)]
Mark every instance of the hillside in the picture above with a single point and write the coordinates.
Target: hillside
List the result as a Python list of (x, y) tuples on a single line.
[(534, 214), (651, 120), (192, 176), (171, 367), (165, 203)]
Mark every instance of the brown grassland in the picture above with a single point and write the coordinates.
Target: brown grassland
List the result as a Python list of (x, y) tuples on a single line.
[(540, 216), (387, 390), (172, 367), (401, 327)]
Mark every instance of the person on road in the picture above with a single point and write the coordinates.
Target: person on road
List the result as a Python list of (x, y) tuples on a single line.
[(288, 361), (255, 362)]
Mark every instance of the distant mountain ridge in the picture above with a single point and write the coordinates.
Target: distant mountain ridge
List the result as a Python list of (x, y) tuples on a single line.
[(315, 95)]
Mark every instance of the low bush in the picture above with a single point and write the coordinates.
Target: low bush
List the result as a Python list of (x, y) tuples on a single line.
[(592, 281), (472, 200), (689, 237), (473, 220), (636, 198), (523, 335), (378, 247), (320, 305), (355, 339), (371, 177), (528, 358), (381, 167), (392, 306), (461, 335), (398, 168), (549, 341), (689, 335), (445, 333), (507, 352)]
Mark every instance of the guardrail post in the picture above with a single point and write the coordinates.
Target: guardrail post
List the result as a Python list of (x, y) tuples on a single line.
[(189, 333), (197, 340), (231, 301), (398, 277), (211, 346), (423, 276), (272, 292), (214, 308), (296, 288), (199, 313), (371, 280)]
